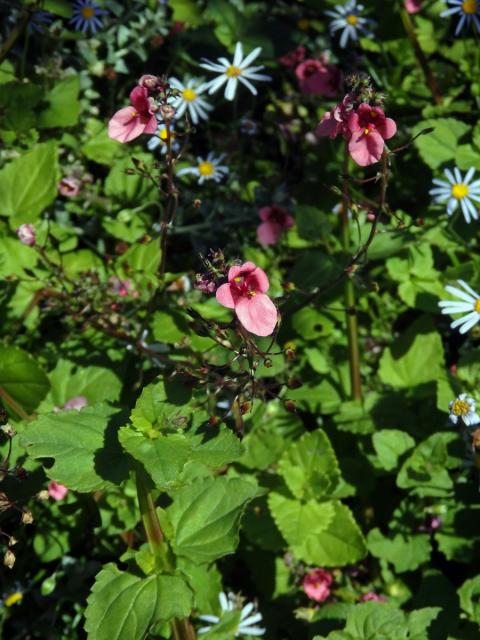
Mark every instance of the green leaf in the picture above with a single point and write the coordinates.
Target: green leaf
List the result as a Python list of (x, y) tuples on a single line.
[(169, 326), (426, 469), (59, 7), (206, 517), (124, 606), (440, 146), (160, 405), (186, 11), (29, 184), (376, 620), (403, 365), (469, 594), (18, 105), (418, 622), (64, 106), (129, 189), (310, 467), (22, 378), (99, 147), (390, 445), (83, 445), (320, 533), (406, 553), (163, 457)]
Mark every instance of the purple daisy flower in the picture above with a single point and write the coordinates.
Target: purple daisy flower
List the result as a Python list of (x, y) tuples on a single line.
[(86, 16)]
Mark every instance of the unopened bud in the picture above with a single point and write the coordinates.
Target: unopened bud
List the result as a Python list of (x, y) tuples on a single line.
[(294, 383), (420, 222), (9, 559), (42, 495), (27, 517), (167, 111), (148, 81), (245, 407), (213, 421), (197, 203), (290, 406), (8, 430), (26, 234), (267, 363), (12, 541), (3, 416)]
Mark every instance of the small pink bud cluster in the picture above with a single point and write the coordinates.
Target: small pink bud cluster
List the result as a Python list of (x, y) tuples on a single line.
[(363, 126), (319, 77), (413, 6), (275, 220), (57, 491), (149, 97)]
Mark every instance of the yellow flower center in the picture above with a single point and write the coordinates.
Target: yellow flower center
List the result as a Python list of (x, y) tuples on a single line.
[(251, 294), (460, 408), (470, 6), (459, 190), (206, 169), (189, 95), (476, 306), (163, 135), (233, 72), (13, 598), (87, 12), (351, 19)]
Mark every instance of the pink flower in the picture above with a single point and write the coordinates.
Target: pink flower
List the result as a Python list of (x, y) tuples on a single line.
[(122, 288), (276, 220), (371, 595), (78, 402), (413, 6), (369, 128), (335, 121), (318, 78), (57, 491), (130, 122), (69, 187), (293, 57), (245, 292), (316, 584), (26, 234)]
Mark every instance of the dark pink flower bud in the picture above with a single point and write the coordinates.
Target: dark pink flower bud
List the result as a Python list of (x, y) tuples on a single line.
[(148, 81), (372, 596), (318, 78), (413, 6), (293, 57), (275, 220), (316, 584), (26, 234)]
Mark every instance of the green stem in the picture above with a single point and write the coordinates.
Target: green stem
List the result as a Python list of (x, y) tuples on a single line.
[(421, 58), (181, 629), (349, 295), (13, 404)]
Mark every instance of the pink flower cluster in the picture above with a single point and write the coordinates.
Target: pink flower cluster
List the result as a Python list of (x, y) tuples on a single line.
[(413, 6), (316, 584), (130, 122), (365, 129), (245, 293)]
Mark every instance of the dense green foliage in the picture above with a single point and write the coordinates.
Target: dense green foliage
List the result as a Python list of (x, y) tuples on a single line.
[(207, 459)]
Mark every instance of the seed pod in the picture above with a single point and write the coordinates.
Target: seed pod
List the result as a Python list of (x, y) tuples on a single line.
[(294, 383), (27, 517), (9, 559), (290, 406)]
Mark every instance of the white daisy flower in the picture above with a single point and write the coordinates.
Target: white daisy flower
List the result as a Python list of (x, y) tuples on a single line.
[(464, 408), (239, 70), (457, 190), (348, 18), (190, 99), (469, 303), (247, 623), (208, 168), (160, 139), (469, 12)]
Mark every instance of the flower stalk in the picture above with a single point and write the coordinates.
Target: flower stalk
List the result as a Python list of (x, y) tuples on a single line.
[(421, 58), (349, 293)]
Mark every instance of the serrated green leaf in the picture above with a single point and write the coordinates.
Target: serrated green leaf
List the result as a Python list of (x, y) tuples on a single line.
[(406, 553), (390, 445), (323, 534), (22, 378), (206, 517), (124, 606), (469, 594), (441, 144), (29, 184), (309, 466), (83, 445)]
